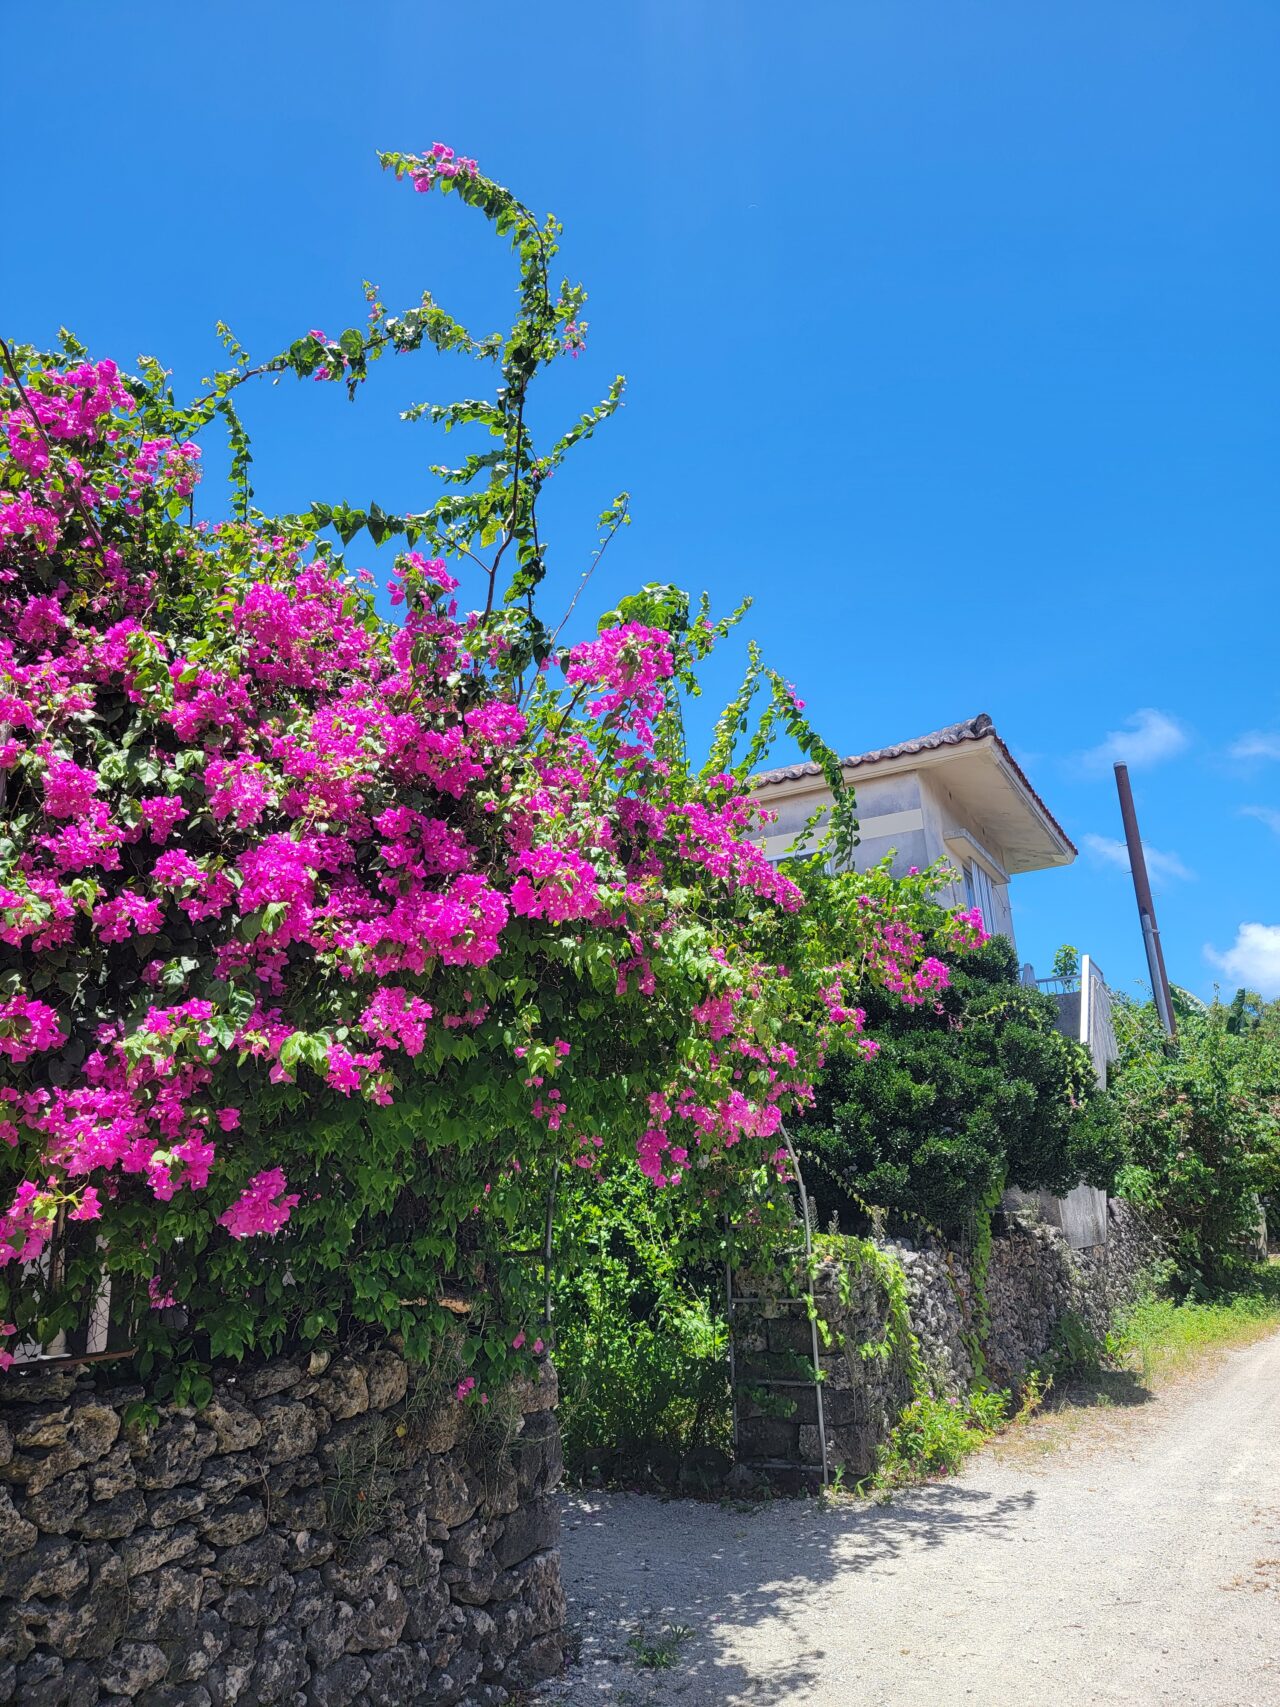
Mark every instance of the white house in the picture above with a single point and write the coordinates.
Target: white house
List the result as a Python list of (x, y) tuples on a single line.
[(958, 794)]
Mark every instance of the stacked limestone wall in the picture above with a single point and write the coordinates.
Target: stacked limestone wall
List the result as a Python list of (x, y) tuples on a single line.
[(345, 1538), (1034, 1279)]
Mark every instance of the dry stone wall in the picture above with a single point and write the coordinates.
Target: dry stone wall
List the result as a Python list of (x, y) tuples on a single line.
[(344, 1538), (1034, 1280)]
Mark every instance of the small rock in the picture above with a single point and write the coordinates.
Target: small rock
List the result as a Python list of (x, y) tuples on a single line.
[(56, 1508), (339, 1685), (94, 1428), (474, 1587), (156, 1547), (361, 1567), (427, 1608), (502, 1490), (234, 1425), (304, 1509), (269, 1378), (452, 1497), (111, 1520), (468, 1545), (45, 1428), (223, 1478), (180, 1505), (132, 1666), (173, 1454), (281, 1665), (164, 1604), (228, 1526), (207, 1644), (39, 1680), (344, 1391), (387, 1378), (16, 1641), (441, 1428), (329, 1632), (288, 1431), (265, 1603), (16, 1534), (541, 1660), (29, 1387), (380, 1619), (532, 1529), (396, 1677), (113, 1474), (251, 1562), (176, 1695), (52, 1570)]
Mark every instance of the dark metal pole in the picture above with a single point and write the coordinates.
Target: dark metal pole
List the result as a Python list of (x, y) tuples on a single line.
[(1146, 906)]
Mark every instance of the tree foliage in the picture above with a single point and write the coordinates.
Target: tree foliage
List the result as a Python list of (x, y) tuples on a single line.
[(1201, 1120), (968, 1093)]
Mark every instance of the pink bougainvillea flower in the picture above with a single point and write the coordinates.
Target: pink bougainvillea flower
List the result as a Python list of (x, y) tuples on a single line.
[(262, 1207)]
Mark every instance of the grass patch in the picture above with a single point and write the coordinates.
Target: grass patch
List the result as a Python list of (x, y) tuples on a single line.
[(1154, 1342), (660, 1652), (933, 1437), (1159, 1338)]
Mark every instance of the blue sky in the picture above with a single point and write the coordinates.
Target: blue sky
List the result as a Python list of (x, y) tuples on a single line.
[(950, 334)]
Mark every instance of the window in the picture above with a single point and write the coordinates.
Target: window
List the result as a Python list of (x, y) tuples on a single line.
[(977, 887)]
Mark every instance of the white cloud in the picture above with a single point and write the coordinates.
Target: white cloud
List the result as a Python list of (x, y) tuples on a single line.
[(1147, 738), (1265, 814), (1257, 744), (1253, 958), (1161, 867)]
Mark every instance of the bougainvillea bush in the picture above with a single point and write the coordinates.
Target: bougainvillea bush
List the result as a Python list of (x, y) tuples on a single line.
[(331, 940)]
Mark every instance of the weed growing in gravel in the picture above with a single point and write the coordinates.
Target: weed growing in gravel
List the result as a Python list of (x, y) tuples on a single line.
[(658, 1653), (933, 1436)]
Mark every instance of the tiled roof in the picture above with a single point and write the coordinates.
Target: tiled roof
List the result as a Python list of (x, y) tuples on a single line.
[(954, 735)]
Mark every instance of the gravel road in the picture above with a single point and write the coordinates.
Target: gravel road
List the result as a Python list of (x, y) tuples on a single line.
[(1137, 1561)]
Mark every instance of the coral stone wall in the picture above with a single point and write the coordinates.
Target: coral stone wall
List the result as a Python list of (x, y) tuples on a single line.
[(1034, 1279), (342, 1538)]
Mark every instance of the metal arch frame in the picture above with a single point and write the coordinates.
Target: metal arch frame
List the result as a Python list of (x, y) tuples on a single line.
[(807, 1298)]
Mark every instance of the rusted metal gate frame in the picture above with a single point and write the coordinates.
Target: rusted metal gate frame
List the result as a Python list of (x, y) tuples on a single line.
[(733, 1301)]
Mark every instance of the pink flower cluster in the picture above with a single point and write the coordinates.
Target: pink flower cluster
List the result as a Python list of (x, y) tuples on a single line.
[(628, 664), (263, 1206), (967, 928), (397, 1020), (440, 161), (28, 1028)]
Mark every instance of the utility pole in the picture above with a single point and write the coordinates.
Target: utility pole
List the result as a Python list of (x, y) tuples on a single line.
[(1146, 906)]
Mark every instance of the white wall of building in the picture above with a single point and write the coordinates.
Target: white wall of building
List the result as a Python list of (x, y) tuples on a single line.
[(913, 816)]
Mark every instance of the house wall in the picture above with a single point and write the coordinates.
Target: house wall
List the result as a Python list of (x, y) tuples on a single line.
[(893, 798), (890, 819), (944, 816), (908, 814)]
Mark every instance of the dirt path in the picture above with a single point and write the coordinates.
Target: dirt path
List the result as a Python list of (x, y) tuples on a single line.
[(1138, 1563)]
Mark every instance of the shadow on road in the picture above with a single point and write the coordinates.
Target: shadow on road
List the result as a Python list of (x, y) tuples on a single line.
[(635, 1561), (1098, 1388)]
